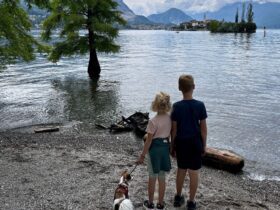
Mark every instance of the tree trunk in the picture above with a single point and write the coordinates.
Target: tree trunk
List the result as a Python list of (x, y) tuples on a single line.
[(93, 65)]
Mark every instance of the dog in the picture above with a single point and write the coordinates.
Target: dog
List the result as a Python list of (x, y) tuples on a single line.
[(121, 198)]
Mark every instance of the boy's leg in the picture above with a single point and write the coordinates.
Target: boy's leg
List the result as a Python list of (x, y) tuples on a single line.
[(181, 174), (151, 188), (194, 180), (161, 188)]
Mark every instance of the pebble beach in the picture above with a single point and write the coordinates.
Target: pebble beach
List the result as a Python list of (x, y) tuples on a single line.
[(76, 171)]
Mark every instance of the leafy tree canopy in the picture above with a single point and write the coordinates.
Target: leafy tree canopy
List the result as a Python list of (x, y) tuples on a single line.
[(84, 26), (16, 43)]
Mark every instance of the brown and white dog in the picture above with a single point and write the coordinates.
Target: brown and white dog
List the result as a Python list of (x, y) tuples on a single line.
[(121, 198)]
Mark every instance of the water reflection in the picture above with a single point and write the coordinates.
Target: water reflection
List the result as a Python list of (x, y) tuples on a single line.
[(89, 101)]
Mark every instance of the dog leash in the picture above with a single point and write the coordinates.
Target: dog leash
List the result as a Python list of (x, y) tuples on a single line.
[(133, 169)]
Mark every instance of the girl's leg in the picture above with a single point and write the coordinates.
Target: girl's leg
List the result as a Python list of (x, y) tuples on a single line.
[(161, 187), (181, 174), (152, 180), (194, 180), (151, 188)]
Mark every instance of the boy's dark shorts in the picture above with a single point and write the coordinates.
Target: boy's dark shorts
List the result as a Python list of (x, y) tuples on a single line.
[(189, 153)]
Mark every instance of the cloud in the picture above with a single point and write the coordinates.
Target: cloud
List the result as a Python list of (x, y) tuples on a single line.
[(147, 7)]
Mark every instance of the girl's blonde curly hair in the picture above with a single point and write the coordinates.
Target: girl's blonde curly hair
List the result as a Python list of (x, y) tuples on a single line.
[(161, 103)]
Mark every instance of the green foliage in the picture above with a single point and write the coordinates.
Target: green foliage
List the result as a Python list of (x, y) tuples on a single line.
[(213, 26), (82, 25), (39, 3), (16, 43), (229, 27)]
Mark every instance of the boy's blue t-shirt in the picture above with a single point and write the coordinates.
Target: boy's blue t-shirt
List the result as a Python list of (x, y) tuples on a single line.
[(188, 114)]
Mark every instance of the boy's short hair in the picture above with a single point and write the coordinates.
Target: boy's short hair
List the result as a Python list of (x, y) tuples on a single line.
[(161, 103), (186, 83)]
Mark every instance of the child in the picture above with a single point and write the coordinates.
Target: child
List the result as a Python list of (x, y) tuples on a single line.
[(157, 149), (188, 139)]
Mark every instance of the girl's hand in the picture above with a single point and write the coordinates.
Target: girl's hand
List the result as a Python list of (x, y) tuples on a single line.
[(140, 160)]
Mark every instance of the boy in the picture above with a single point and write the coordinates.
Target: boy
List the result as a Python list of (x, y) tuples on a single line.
[(188, 139)]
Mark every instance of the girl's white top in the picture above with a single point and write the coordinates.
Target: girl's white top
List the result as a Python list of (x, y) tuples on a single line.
[(159, 126)]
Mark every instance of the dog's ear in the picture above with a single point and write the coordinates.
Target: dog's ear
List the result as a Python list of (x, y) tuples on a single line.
[(124, 173)]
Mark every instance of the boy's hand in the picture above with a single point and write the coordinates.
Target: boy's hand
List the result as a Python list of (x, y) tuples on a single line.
[(203, 152), (173, 152)]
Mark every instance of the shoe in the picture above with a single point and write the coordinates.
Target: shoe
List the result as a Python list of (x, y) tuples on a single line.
[(160, 207), (178, 201), (148, 206), (191, 205)]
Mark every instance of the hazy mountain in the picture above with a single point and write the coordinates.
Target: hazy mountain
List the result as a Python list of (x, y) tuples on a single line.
[(265, 14), (172, 15), (140, 20), (129, 15), (126, 11)]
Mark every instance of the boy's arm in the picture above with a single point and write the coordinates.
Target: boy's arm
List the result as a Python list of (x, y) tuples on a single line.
[(173, 135), (203, 128)]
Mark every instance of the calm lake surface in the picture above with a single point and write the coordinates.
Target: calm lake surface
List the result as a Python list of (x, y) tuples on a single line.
[(237, 76)]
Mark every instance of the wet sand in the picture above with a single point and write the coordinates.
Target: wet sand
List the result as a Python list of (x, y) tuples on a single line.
[(60, 171)]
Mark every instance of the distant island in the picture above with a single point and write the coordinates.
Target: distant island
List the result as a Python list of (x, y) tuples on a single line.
[(216, 26), (236, 27)]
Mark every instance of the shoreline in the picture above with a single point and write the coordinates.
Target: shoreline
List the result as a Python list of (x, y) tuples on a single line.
[(76, 171)]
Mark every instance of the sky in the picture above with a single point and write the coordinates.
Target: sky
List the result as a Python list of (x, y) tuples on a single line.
[(147, 7)]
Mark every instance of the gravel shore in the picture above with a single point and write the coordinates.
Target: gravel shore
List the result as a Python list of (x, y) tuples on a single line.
[(60, 171)]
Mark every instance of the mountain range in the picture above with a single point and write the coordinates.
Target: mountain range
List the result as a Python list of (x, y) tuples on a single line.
[(265, 14)]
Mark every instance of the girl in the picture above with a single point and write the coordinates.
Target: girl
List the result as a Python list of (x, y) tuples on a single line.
[(156, 148)]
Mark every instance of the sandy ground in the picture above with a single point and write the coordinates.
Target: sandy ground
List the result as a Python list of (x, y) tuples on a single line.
[(58, 171)]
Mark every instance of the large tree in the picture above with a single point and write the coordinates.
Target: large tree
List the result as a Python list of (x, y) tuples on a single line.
[(236, 16), (250, 13), (16, 42), (243, 12), (84, 26)]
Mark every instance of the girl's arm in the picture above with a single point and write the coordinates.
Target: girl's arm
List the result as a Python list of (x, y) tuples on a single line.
[(147, 145)]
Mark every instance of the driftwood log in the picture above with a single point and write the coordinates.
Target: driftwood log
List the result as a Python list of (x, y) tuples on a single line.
[(46, 129), (223, 159), (137, 122)]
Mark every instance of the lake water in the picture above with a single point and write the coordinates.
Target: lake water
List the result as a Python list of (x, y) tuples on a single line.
[(237, 76)]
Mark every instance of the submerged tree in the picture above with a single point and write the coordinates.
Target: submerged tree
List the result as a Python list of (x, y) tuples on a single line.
[(16, 43), (250, 13), (236, 16), (84, 26)]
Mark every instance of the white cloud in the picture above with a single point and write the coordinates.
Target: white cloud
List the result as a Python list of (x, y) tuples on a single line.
[(147, 7)]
